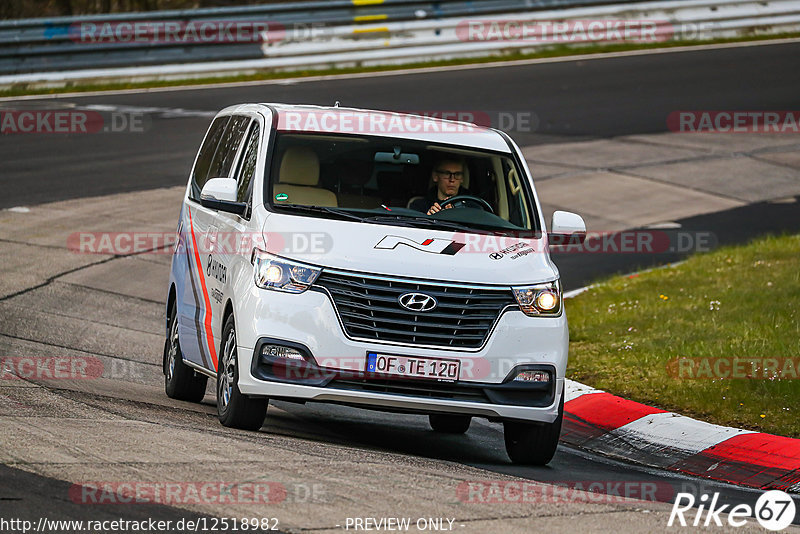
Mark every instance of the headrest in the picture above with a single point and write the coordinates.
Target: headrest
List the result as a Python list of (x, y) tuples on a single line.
[(299, 166), (355, 173)]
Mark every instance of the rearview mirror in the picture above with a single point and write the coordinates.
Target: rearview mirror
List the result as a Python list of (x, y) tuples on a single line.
[(220, 194), (567, 228), (398, 158)]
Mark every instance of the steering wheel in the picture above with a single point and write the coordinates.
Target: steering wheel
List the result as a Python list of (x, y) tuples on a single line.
[(468, 199)]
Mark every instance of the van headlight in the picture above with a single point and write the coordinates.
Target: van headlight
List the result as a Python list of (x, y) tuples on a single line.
[(272, 272), (539, 299)]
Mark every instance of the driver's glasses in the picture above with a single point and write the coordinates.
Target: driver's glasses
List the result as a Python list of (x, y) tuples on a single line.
[(448, 175)]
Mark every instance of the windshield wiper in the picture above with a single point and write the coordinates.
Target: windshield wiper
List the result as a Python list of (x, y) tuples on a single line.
[(422, 221), (325, 209), (396, 219)]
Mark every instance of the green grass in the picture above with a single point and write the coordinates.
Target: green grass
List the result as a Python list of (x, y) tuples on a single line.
[(554, 51), (736, 302)]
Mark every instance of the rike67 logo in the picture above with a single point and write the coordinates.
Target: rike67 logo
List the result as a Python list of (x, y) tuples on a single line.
[(774, 510)]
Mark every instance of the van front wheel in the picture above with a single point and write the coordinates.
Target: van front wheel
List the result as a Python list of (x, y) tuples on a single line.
[(533, 443), (234, 409), (449, 424)]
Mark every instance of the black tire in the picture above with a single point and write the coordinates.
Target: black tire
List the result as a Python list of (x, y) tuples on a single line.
[(235, 410), (533, 443), (180, 381), (449, 424)]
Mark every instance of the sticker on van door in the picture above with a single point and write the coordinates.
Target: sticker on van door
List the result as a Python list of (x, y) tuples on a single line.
[(216, 269), (433, 246)]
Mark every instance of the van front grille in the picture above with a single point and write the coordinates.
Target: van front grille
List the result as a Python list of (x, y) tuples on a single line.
[(369, 308)]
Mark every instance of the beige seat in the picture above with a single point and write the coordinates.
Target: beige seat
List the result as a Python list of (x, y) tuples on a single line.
[(353, 176), (298, 178)]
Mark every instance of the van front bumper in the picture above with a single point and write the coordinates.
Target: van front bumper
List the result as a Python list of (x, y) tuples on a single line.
[(484, 388), (400, 396)]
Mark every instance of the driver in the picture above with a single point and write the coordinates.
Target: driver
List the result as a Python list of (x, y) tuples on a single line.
[(447, 175)]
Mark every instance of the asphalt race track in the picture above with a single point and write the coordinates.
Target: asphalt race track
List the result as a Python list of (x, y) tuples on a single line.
[(571, 100)]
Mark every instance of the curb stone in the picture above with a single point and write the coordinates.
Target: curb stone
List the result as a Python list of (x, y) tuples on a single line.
[(603, 423)]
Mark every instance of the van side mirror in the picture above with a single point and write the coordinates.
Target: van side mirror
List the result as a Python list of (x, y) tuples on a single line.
[(220, 194), (567, 228)]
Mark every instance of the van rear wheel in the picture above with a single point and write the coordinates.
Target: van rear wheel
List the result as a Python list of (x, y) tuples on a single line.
[(235, 409), (180, 381)]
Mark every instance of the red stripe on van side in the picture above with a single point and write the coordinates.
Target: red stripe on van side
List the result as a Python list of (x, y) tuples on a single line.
[(207, 312)]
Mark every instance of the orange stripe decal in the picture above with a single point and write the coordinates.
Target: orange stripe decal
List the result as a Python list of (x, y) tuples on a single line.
[(207, 312)]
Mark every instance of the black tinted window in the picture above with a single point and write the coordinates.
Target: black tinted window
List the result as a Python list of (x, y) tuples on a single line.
[(247, 167), (359, 173), (229, 144), (206, 155)]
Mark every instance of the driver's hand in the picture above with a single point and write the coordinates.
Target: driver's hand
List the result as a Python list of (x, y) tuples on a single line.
[(436, 207)]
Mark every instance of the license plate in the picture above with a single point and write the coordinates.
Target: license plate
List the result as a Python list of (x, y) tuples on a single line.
[(413, 367)]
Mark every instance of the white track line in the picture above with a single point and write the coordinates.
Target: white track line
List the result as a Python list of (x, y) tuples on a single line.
[(673, 431), (573, 390)]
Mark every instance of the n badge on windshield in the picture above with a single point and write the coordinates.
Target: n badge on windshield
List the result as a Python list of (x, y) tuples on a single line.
[(431, 245)]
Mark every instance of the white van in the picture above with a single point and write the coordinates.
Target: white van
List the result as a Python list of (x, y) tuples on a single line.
[(379, 260)]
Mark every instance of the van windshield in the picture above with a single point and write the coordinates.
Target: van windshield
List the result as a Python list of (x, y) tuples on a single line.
[(399, 181)]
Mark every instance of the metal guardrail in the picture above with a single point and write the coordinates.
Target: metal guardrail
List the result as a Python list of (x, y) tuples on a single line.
[(39, 45), (348, 33), (445, 38)]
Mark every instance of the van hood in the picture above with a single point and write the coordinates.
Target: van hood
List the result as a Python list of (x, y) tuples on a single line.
[(408, 252)]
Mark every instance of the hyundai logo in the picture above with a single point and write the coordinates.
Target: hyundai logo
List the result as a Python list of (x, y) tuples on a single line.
[(418, 302)]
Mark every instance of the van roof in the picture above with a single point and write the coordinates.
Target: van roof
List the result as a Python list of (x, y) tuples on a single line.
[(430, 126)]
